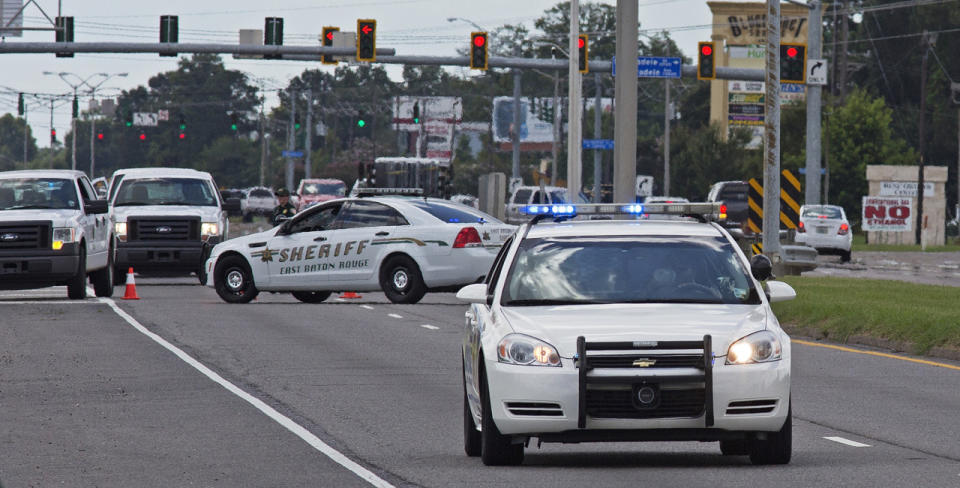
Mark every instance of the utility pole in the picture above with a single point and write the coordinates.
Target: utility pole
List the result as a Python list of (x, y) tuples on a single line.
[(26, 136), (927, 42), (515, 137), (814, 92), (625, 113), (73, 136), (845, 33), (93, 125), (556, 128), (771, 122), (575, 116), (597, 134), (955, 90), (51, 129), (291, 139), (307, 142), (667, 115)]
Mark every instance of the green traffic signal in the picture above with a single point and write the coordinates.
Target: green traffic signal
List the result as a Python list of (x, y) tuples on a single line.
[(233, 126), (361, 123)]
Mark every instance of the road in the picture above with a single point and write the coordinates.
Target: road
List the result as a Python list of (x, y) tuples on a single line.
[(368, 393)]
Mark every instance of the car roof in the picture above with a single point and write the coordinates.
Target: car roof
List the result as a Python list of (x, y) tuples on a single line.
[(320, 180), (613, 228), (43, 173), (163, 172)]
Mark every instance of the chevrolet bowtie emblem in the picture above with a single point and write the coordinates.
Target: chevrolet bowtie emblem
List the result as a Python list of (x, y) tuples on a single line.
[(644, 363)]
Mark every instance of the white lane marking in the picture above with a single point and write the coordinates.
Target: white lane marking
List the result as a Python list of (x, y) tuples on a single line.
[(848, 442), (48, 302), (368, 307), (267, 410), (393, 315), (430, 327)]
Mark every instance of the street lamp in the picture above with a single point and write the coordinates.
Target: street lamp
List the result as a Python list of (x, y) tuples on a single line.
[(73, 121), (93, 120), (461, 19)]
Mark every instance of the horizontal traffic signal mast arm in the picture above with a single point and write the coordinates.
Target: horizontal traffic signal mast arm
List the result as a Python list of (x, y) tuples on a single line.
[(149, 47)]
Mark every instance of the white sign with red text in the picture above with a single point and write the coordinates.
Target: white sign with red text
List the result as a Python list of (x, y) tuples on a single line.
[(887, 214)]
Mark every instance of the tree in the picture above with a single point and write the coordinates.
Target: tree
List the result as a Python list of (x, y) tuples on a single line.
[(701, 157), (11, 142)]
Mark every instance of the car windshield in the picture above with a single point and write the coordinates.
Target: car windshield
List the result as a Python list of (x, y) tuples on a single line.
[(454, 213), (165, 191), (34, 193), (648, 269), (822, 212), (339, 189)]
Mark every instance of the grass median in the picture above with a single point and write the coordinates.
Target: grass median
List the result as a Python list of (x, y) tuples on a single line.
[(925, 316), (860, 244)]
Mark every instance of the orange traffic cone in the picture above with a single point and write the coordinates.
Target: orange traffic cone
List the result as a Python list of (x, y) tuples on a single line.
[(350, 294), (131, 292)]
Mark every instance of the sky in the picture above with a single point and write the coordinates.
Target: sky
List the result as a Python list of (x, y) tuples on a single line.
[(412, 27)]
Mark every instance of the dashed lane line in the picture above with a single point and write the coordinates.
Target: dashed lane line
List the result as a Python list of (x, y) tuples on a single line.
[(430, 327), (368, 307), (847, 442), (395, 316), (875, 353), (283, 420)]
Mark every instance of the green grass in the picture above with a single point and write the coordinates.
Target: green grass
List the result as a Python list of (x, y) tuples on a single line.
[(860, 244), (925, 315)]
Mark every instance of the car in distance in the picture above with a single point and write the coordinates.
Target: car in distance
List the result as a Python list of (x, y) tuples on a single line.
[(523, 196), (318, 190), (258, 201), (625, 330), (733, 194), (403, 246), (825, 228), (54, 230)]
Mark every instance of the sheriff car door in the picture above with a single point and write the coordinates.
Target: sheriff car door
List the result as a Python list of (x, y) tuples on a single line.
[(365, 231), (300, 251)]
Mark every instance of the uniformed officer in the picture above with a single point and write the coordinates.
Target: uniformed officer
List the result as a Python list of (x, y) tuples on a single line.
[(285, 209)]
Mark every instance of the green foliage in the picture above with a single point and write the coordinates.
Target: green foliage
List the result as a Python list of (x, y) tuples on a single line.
[(700, 157), (11, 142)]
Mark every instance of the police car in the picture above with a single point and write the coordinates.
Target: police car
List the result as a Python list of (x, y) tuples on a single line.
[(405, 246), (625, 330)]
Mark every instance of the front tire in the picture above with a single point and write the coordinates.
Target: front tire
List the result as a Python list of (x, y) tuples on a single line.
[(845, 256), (103, 278), (776, 448), (496, 449), (77, 286), (734, 448), (401, 280), (234, 281), (472, 445), (311, 296)]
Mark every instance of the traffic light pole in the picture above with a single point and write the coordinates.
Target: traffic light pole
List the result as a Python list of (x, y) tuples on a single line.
[(574, 114), (291, 140), (771, 123), (515, 136), (814, 51), (625, 110), (308, 135)]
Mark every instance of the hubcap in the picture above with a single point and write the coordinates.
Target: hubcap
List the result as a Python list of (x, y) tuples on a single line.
[(234, 279), (400, 279)]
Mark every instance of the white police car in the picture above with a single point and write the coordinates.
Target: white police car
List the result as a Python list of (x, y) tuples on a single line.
[(405, 246), (625, 330)]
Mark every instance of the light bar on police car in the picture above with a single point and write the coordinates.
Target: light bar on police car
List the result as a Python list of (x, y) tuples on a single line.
[(389, 191), (707, 210)]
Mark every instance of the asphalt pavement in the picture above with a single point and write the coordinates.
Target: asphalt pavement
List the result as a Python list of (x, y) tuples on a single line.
[(182, 389)]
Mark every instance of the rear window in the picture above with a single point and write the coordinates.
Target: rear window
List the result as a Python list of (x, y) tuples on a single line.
[(455, 214), (822, 212), (261, 193), (522, 196)]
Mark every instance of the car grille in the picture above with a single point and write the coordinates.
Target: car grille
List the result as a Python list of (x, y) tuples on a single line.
[(164, 229), (658, 361), (618, 404), (531, 409), (25, 235), (751, 407)]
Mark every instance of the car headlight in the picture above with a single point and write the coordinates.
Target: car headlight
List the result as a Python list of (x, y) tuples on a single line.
[(759, 347), (526, 351), (209, 229), (120, 230), (63, 235)]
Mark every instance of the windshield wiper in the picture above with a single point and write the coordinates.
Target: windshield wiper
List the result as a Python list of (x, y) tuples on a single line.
[(27, 207), (527, 303), (123, 204), (676, 300)]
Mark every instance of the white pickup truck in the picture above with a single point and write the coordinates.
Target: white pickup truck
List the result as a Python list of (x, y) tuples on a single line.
[(54, 231)]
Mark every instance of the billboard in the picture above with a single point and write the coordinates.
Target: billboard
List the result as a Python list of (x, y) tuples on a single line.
[(887, 214), (532, 127)]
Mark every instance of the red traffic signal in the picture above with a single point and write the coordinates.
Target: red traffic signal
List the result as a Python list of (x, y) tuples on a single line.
[(366, 40), (583, 53), (792, 52), (478, 50), (183, 136), (793, 63), (143, 136), (581, 42), (479, 41), (100, 136), (327, 41), (706, 65), (706, 49)]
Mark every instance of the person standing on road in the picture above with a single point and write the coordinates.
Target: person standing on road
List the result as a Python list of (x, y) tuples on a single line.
[(285, 209)]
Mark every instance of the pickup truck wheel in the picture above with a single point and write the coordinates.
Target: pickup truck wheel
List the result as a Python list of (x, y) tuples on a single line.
[(103, 278), (311, 296), (77, 286), (496, 449), (233, 280), (776, 448), (401, 281)]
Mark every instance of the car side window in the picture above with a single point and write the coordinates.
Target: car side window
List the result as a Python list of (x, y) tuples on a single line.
[(316, 221), (494, 274), (521, 197), (537, 198), (86, 190), (369, 214)]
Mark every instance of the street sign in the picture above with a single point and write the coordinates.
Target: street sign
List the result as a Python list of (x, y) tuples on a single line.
[(654, 67), (292, 154), (598, 144), (163, 115), (145, 119), (816, 71)]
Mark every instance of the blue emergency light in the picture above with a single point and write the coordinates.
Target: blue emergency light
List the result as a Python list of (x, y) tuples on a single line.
[(559, 210)]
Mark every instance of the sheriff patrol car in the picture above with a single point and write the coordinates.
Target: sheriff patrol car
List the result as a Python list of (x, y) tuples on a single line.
[(405, 246), (625, 330)]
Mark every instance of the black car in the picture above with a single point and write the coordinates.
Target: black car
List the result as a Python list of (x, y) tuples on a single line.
[(733, 194)]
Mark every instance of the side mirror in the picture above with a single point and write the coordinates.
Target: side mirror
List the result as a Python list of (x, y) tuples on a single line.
[(780, 291), (96, 207), (761, 268), (231, 205), (475, 293)]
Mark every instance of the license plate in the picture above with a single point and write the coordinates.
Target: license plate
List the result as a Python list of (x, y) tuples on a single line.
[(822, 230)]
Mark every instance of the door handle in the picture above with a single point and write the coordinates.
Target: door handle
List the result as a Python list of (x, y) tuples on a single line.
[(382, 233), (319, 239)]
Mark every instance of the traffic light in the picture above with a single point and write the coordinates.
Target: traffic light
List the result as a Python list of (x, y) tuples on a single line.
[(100, 135), (128, 121), (183, 127), (366, 40), (21, 108), (64, 33), (416, 113), (143, 136), (706, 67), (361, 120), (478, 50), (76, 107), (328, 42), (793, 63), (296, 122), (273, 35), (169, 32), (233, 122), (53, 136), (583, 53)]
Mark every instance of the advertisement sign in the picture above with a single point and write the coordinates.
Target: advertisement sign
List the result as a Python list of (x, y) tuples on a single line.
[(887, 214), (532, 128)]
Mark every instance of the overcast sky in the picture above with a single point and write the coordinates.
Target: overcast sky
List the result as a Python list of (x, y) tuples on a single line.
[(416, 27)]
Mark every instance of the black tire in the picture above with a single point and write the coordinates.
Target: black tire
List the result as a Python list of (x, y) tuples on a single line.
[(496, 449), (77, 286), (845, 256), (401, 280), (119, 275), (311, 296), (202, 270), (471, 436), (103, 278), (777, 447), (734, 448), (233, 280)]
